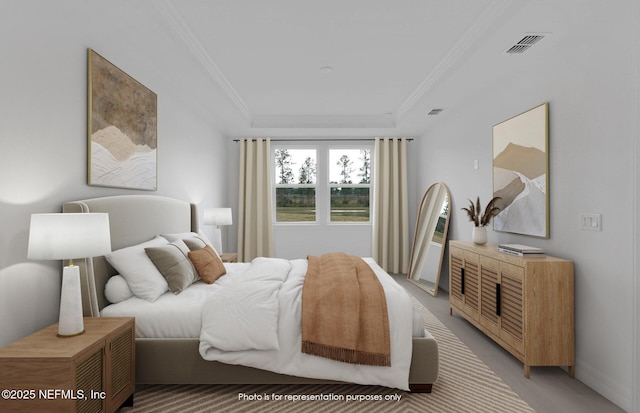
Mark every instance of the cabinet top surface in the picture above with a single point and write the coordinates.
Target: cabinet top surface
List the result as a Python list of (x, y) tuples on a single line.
[(46, 343), (492, 251)]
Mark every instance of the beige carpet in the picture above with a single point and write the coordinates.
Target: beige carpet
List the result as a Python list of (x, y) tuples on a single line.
[(465, 384)]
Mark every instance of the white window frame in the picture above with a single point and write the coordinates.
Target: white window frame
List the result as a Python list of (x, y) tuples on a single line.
[(294, 146), (349, 146), (322, 185)]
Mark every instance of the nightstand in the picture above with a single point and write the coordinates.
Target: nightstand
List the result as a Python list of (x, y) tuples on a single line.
[(229, 257), (90, 372)]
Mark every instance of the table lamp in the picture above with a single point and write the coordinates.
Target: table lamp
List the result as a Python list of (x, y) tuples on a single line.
[(65, 237), (217, 217)]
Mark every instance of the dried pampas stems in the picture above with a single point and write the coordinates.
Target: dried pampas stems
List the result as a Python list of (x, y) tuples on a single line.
[(474, 212)]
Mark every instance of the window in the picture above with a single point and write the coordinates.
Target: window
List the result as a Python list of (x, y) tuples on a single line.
[(322, 184), (295, 174), (349, 183)]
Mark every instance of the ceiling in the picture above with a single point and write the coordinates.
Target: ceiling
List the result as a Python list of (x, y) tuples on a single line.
[(344, 67)]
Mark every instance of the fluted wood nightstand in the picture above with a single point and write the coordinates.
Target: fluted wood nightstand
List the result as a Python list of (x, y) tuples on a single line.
[(229, 257), (92, 372)]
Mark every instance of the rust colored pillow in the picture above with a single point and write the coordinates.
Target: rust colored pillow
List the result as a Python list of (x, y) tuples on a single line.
[(208, 264)]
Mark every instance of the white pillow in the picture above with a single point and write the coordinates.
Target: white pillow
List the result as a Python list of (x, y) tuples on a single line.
[(144, 279), (117, 289)]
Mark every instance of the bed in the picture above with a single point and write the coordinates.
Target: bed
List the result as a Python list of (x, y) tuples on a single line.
[(135, 219)]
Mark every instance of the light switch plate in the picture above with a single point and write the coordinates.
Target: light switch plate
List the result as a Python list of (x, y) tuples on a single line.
[(590, 222)]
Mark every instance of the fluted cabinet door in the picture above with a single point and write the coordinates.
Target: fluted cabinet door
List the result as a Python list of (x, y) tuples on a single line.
[(525, 304)]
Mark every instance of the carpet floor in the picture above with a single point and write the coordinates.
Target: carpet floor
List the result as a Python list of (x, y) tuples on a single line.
[(465, 384)]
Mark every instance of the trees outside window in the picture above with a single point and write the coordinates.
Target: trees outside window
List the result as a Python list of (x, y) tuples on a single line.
[(295, 174), (322, 184), (350, 202)]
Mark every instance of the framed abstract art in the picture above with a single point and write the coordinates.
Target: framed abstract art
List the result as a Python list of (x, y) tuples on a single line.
[(122, 128), (521, 173)]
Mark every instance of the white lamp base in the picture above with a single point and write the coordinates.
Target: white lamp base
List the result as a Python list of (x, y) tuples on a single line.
[(71, 322), (218, 238)]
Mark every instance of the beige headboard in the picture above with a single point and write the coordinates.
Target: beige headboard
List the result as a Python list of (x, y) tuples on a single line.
[(132, 219)]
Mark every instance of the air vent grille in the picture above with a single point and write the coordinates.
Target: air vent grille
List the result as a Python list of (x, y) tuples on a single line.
[(525, 43)]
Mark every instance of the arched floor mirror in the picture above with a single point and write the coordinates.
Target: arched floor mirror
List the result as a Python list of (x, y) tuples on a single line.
[(430, 238)]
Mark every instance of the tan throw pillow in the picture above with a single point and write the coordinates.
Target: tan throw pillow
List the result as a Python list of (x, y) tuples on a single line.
[(197, 243), (208, 264), (173, 263)]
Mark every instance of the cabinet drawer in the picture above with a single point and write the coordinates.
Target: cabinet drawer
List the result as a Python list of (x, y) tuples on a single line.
[(512, 270)]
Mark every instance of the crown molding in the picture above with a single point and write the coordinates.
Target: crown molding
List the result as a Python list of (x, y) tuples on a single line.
[(323, 122), (183, 31), (484, 22)]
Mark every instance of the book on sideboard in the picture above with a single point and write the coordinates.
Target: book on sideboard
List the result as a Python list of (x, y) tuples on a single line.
[(520, 250)]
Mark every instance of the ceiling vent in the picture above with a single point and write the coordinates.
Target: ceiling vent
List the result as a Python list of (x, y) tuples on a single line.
[(435, 111), (525, 43)]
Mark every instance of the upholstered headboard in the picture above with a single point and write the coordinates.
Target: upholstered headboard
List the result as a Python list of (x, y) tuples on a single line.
[(132, 219)]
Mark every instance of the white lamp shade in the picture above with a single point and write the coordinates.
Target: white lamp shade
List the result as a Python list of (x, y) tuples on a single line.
[(218, 216), (68, 236)]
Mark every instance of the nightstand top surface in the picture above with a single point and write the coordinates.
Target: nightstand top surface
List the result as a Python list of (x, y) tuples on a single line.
[(46, 343), (229, 256)]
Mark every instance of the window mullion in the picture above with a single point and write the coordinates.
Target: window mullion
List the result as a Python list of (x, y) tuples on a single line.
[(322, 177)]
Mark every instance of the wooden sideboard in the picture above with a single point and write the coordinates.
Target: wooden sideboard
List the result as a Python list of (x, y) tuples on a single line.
[(525, 304)]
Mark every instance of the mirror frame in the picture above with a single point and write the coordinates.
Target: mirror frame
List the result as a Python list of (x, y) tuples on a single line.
[(412, 268)]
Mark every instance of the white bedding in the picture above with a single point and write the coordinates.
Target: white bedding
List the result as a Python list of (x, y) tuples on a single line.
[(180, 316), (171, 315)]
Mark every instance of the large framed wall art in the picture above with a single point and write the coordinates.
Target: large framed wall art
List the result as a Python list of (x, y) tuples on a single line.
[(122, 128), (521, 173)]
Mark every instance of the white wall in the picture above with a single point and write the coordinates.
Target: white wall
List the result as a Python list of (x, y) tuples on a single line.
[(591, 88), (43, 138)]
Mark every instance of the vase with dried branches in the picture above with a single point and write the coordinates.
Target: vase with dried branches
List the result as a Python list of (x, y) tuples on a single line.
[(480, 219)]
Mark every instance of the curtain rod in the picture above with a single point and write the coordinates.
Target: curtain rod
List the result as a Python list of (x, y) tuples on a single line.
[(322, 140)]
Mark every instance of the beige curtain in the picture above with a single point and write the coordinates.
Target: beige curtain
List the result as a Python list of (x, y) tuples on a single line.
[(391, 211), (255, 228)]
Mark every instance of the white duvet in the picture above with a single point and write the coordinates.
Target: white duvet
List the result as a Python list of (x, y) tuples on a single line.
[(273, 324), (254, 319)]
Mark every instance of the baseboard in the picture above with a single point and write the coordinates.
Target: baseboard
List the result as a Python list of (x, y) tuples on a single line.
[(617, 393)]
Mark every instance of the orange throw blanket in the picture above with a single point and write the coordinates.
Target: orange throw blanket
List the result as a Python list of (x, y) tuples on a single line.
[(344, 311)]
